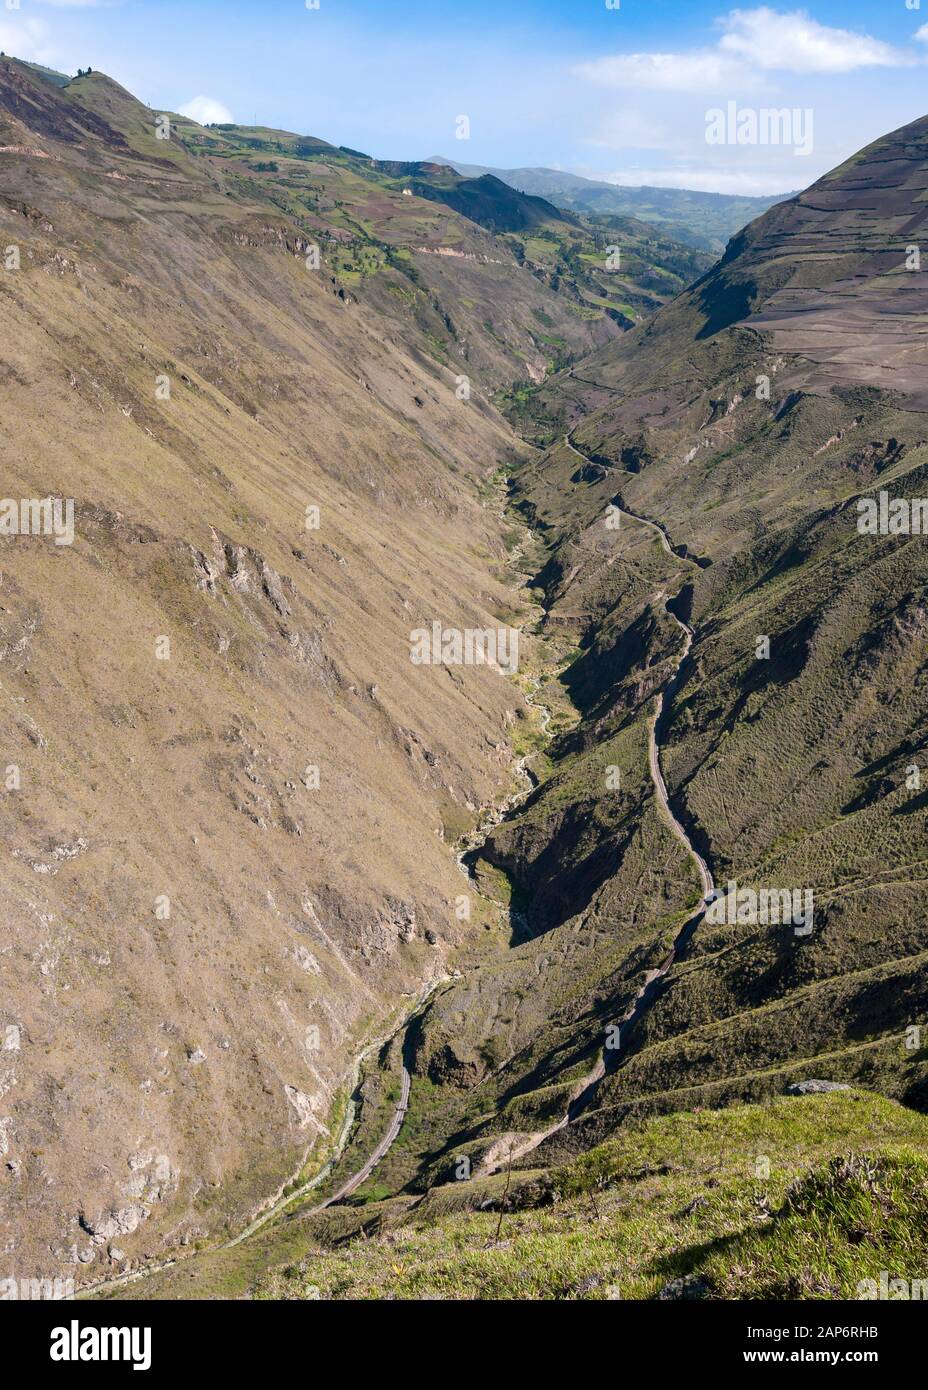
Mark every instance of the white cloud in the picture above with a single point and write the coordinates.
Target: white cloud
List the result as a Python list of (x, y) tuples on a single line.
[(794, 42), (756, 53), (753, 42), (676, 72), (207, 111)]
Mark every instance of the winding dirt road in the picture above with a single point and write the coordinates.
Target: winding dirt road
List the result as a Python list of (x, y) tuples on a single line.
[(660, 786), (634, 516), (386, 1143), (609, 1057)]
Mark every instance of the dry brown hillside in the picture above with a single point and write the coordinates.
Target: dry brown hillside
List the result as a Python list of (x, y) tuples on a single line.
[(180, 903)]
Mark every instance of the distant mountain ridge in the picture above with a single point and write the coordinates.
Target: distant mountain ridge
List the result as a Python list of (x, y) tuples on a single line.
[(706, 220)]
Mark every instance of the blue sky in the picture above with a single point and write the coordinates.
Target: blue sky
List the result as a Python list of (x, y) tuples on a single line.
[(617, 93)]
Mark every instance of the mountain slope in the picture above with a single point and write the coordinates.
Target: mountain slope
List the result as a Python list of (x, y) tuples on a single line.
[(188, 995), (280, 468), (493, 204), (224, 859), (504, 284), (798, 770)]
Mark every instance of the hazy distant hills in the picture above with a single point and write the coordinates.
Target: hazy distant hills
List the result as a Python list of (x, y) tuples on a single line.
[(706, 220)]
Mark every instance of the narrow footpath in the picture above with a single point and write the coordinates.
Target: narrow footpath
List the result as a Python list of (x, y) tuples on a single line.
[(609, 1058)]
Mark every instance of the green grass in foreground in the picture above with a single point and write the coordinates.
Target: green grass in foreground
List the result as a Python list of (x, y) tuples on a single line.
[(795, 1198), (850, 1221)]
